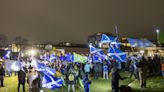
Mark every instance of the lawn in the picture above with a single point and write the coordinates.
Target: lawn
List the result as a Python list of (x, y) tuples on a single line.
[(154, 84)]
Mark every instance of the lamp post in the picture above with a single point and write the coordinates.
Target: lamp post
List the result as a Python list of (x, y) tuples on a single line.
[(157, 31)]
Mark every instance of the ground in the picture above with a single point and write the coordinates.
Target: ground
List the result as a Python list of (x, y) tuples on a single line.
[(154, 84)]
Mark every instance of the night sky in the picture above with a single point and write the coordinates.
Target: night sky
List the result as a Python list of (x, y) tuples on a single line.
[(73, 20)]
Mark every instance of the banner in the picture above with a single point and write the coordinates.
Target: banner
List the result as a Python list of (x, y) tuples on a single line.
[(79, 58)]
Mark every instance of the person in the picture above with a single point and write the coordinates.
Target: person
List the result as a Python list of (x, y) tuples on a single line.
[(71, 81), (32, 76), (2, 74), (115, 80), (35, 85), (156, 64), (105, 71), (134, 69), (162, 66), (87, 69), (96, 69), (142, 68), (86, 83), (21, 79)]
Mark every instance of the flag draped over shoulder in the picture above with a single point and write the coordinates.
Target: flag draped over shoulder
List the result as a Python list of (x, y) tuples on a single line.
[(117, 54), (79, 58)]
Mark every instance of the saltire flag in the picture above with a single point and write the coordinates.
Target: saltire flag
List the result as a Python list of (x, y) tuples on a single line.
[(117, 54), (45, 69), (79, 58), (140, 43), (69, 57), (62, 58), (52, 58), (102, 55), (105, 39), (96, 58), (115, 42), (7, 55), (51, 82), (110, 39), (148, 43), (89, 58), (133, 42), (94, 50)]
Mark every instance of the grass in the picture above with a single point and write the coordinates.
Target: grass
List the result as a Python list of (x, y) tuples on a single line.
[(154, 84)]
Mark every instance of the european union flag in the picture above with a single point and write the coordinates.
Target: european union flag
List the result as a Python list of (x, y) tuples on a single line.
[(117, 54)]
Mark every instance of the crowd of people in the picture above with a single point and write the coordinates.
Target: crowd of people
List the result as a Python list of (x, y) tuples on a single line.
[(77, 75)]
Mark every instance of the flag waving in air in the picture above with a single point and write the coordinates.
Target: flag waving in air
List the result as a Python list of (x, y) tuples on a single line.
[(51, 82), (94, 50), (117, 54), (79, 58), (105, 39)]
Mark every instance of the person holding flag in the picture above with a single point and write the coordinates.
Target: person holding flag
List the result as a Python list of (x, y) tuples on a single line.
[(105, 71)]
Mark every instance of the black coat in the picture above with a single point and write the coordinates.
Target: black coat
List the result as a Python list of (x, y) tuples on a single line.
[(2, 71), (21, 76)]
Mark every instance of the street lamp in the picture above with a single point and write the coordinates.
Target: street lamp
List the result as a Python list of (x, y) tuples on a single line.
[(157, 31)]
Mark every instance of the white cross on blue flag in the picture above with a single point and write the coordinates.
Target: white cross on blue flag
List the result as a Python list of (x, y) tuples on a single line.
[(117, 54)]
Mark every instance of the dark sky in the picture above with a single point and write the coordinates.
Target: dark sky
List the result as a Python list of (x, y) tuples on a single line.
[(73, 20)]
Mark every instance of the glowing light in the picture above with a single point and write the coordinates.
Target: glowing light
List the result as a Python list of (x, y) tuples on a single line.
[(142, 51), (32, 52), (157, 31)]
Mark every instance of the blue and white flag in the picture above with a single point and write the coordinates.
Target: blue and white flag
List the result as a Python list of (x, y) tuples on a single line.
[(7, 55), (45, 70), (102, 55), (105, 39), (94, 50), (133, 42), (117, 54), (148, 43), (51, 82), (69, 57), (115, 42), (52, 58)]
